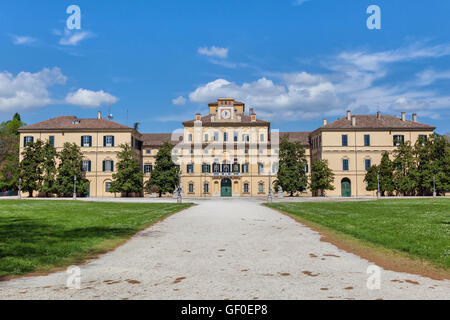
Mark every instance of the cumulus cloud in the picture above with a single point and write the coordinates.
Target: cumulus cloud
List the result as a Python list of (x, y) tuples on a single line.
[(70, 38), (179, 101), (87, 98), (355, 80), (23, 40), (28, 90), (213, 52)]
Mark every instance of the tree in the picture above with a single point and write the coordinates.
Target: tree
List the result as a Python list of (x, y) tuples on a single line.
[(372, 178), (385, 170), (70, 166), (292, 175), (322, 177), (48, 169), (129, 174), (9, 153), (164, 176), (440, 155), (405, 175), (30, 169)]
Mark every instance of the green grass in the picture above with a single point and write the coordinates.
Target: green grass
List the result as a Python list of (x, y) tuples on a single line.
[(418, 227), (42, 235)]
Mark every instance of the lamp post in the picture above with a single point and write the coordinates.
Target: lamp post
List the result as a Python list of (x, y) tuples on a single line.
[(270, 195), (434, 186), (20, 188), (75, 187), (378, 186), (179, 196)]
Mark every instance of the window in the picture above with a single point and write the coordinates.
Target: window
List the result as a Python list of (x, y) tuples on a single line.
[(216, 136), (206, 168), (367, 163), (260, 187), (191, 188), (245, 168), (216, 168), (206, 138), (226, 168), (423, 137), (345, 164), (148, 168), (245, 138), (246, 150), (206, 188), (86, 166), (366, 140), (148, 151), (225, 136), (86, 141), (190, 168), (51, 140), (27, 140), (398, 140), (108, 141), (260, 168), (190, 137), (236, 167), (108, 166), (344, 140), (246, 187), (261, 137), (108, 186), (235, 138), (306, 168)]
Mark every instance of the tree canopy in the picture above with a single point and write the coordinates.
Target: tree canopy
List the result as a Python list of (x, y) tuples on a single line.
[(292, 176), (128, 178), (164, 177), (322, 177)]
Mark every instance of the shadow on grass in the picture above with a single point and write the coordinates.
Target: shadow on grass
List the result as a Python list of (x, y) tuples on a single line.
[(28, 243)]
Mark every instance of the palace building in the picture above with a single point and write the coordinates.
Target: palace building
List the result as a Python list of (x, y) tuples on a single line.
[(230, 152)]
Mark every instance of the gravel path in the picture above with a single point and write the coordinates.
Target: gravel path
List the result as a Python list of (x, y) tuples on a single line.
[(227, 249)]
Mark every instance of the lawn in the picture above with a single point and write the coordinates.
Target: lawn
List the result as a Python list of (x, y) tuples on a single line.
[(37, 236), (418, 227)]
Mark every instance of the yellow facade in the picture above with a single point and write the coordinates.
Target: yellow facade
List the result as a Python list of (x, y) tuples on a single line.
[(227, 137)]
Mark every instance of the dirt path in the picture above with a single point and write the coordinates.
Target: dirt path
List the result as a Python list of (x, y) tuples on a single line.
[(227, 249)]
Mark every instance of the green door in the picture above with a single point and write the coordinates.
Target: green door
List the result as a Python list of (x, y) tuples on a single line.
[(225, 188), (346, 188)]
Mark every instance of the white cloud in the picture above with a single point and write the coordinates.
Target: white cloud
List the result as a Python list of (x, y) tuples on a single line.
[(23, 40), (213, 52), (355, 80), (179, 101), (87, 98), (74, 38), (28, 90)]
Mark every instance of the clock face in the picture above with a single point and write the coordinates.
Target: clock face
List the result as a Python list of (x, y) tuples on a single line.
[(226, 114)]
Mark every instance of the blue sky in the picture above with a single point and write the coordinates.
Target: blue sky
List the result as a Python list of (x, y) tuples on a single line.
[(295, 62)]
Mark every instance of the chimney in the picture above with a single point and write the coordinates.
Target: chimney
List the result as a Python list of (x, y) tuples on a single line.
[(324, 122), (403, 116), (251, 111), (414, 117), (378, 115), (353, 121), (253, 117), (349, 115), (198, 117), (99, 115)]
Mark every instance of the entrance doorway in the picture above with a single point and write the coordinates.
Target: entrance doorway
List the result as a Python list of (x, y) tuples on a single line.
[(346, 187), (225, 188)]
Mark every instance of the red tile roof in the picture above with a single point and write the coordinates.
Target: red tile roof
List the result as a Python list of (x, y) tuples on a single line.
[(157, 139), (245, 120), (372, 122), (298, 136), (72, 122)]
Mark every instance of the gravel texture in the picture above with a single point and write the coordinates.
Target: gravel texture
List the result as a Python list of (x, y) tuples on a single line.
[(227, 249)]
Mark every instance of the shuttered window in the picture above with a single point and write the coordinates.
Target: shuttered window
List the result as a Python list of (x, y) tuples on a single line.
[(86, 141)]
